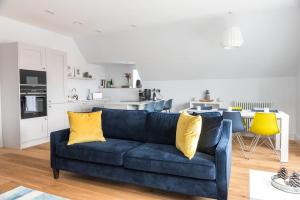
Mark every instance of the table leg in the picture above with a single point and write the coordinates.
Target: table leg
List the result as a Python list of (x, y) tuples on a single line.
[(284, 144), (278, 140)]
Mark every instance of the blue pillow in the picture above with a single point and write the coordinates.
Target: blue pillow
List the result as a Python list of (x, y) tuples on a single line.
[(210, 134)]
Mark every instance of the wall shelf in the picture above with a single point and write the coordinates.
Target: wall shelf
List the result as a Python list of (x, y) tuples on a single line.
[(115, 88), (82, 78)]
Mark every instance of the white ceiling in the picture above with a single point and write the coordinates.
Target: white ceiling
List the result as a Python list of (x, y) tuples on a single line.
[(117, 15), (174, 39)]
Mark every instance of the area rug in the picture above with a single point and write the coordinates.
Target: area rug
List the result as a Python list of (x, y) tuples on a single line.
[(23, 193)]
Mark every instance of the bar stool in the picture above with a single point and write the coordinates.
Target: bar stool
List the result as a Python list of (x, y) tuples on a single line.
[(168, 105), (159, 106), (149, 107)]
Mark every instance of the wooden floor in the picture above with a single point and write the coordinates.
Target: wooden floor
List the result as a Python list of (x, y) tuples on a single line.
[(30, 168)]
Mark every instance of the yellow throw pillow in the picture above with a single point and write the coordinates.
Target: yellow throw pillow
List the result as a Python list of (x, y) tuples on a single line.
[(187, 134), (85, 127)]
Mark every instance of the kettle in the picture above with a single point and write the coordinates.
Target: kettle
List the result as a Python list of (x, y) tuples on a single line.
[(74, 94)]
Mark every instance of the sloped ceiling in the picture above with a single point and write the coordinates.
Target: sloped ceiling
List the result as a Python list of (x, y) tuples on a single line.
[(175, 39), (190, 49)]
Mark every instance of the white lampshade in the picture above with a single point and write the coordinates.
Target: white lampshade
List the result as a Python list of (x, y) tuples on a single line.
[(232, 38)]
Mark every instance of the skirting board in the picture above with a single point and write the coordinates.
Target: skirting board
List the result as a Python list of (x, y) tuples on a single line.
[(35, 142)]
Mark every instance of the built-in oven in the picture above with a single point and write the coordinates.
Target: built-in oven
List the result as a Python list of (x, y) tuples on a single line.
[(33, 101), (33, 94), (32, 77)]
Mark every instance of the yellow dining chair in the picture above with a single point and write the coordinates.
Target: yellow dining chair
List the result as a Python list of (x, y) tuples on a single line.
[(264, 126)]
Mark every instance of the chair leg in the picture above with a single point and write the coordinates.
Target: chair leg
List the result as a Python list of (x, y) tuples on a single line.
[(252, 142), (273, 147), (242, 145), (241, 137), (262, 141), (234, 140), (253, 145)]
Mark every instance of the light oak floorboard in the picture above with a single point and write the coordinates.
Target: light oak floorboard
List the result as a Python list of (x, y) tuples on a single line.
[(31, 168)]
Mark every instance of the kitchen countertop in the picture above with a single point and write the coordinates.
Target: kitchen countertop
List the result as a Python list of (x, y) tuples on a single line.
[(135, 103), (86, 101), (110, 102)]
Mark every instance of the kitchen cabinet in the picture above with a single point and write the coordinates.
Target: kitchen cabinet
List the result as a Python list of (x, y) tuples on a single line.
[(33, 129), (88, 106), (31, 57), (56, 65), (84, 106), (57, 117)]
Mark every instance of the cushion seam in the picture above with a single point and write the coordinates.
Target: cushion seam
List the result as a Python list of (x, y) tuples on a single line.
[(100, 151), (167, 161), (165, 172), (80, 148)]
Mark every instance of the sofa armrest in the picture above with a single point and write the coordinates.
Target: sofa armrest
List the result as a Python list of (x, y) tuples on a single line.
[(223, 160), (55, 138)]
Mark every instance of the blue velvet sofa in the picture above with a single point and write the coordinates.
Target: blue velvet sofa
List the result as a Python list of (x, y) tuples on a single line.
[(140, 149)]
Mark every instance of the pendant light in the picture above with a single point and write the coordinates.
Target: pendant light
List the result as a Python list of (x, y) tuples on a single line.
[(232, 37)]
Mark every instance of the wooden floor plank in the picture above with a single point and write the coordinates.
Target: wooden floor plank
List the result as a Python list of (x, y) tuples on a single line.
[(31, 168)]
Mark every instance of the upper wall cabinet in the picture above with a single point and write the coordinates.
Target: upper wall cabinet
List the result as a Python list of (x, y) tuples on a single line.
[(31, 57), (56, 65)]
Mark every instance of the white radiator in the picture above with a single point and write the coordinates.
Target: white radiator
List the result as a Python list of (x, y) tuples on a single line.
[(247, 105)]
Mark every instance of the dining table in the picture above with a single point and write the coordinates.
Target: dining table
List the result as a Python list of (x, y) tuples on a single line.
[(281, 139)]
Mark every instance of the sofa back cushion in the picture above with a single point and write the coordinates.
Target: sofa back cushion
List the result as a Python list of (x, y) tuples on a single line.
[(210, 134), (124, 124), (161, 128)]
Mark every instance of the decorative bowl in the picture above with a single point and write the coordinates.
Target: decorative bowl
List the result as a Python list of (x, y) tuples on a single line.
[(282, 185)]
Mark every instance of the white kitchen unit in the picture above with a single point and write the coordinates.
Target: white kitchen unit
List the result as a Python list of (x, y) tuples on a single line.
[(31, 57), (56, 62), (88, 105), (85, 105), (57, 117), (126, 105), (33, 131), (22, 133)]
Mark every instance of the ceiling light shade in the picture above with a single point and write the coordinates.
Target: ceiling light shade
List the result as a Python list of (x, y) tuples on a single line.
[(232, 38)]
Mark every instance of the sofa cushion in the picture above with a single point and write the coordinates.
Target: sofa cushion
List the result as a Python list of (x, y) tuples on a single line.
[(161, 128), (85, 127), (124, 124), (166, 159), (110, 152), (210, 134), (207, 114)]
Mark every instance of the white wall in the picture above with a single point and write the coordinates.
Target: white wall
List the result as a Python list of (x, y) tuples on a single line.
[(82, 86), (116, 72), (1, 142), (297, 136), (281, 91), (11, 30), (121, 94)]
